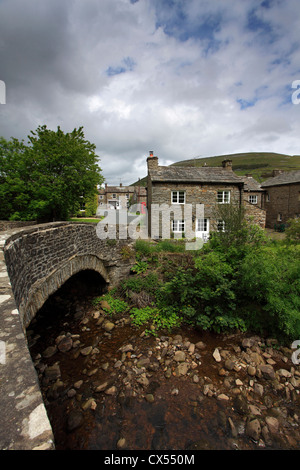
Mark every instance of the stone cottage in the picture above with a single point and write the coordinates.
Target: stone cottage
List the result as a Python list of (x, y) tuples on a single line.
[(208, 186), (121, 197), (282, 197)]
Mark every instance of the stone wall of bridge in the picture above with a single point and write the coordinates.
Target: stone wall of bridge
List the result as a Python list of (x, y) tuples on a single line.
[(34, 263), (41, 258)]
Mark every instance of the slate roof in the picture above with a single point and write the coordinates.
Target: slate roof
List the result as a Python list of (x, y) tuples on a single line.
[(176, 174), (287, 177), (250, 184), (117, 189)]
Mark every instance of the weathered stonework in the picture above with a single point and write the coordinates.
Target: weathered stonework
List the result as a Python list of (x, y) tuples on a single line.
[(200, 186), (34, 263), (42, 258), (24, 421), (282, 202), (255, 214)]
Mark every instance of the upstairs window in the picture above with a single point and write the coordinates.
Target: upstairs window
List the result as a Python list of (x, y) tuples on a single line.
[(253, 199), (223, 197), (178, 197)]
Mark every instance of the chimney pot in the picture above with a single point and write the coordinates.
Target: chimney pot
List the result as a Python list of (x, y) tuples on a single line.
[(152, 162)]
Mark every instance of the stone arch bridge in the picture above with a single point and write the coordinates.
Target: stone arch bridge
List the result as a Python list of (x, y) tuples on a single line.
[(35, 263)]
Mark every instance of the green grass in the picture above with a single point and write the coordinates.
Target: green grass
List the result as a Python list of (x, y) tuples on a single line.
[(259, 164), (85, 221)]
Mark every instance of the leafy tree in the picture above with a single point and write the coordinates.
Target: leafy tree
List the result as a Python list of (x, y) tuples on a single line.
[(46, 179)]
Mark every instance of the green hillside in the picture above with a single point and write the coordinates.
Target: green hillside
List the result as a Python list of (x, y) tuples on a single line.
[(259, 164)]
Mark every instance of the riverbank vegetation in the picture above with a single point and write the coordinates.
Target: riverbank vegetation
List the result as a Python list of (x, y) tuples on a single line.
[(240, 280)]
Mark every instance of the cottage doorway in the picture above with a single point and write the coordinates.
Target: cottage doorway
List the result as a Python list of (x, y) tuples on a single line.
[(202, 229)]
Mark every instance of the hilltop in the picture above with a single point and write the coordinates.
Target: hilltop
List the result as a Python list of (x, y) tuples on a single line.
[(259, 164)]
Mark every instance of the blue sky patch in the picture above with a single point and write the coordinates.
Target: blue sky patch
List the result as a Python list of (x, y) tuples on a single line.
[(127, 66)]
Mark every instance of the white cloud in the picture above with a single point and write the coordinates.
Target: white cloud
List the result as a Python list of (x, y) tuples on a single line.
[(197, 78)]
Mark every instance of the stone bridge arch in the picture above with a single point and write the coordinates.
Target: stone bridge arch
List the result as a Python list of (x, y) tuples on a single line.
[(42, 258), (47, 286)]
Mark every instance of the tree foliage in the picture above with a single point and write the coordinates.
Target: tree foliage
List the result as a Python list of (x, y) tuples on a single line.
[(46, 179)]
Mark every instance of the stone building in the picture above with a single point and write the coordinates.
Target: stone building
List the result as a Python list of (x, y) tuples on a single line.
[(282, 197), (193, 186), (121, 197)]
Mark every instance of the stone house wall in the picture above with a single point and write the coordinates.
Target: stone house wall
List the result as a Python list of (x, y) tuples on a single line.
[(205, 194), (282, 202), (255, 214)]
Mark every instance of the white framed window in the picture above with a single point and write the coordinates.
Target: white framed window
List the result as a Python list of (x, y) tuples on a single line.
[(202, 225), (101, 196), (114, 196), (253, 199), (220, 225), (178, 226), (223, 197), (279, 217), (178, 197)]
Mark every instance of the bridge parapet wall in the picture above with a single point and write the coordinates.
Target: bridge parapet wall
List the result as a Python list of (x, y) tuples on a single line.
[(34, 263), (41, 258)]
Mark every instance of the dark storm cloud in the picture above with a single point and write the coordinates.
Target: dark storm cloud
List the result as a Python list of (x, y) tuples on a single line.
[(176, 77)]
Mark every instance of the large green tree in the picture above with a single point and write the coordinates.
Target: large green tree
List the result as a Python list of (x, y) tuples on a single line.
[(46, 179)]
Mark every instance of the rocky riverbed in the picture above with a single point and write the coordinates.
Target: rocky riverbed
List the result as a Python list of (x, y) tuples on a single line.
[(107, 385)]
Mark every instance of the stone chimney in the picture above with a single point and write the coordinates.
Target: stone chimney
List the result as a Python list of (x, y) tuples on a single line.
[(227, 164), (152, 162), (277, 172)]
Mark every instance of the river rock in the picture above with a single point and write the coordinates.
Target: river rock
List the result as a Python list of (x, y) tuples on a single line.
[(49, 352), (182, 369), (216, 355), (65, 344), (121, 443), (108, 326), (104, 305), (179, 356), (229, 364), (74, 420), (101, 387), (267, 371), (222, 396), (86, 351), (273, 424), (284, 373), (253, 429), (259, 389), (143, 362), (149, 398), (53, 372), (142, 380), (126, 348), (251, 371)]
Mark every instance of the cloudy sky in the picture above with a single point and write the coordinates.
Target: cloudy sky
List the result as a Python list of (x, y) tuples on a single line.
[(184, 78)]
